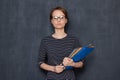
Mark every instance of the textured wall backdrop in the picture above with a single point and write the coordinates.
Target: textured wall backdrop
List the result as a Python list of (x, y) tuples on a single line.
[(23, 23)]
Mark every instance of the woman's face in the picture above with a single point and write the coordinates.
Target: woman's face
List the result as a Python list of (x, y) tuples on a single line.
[(58, 19)]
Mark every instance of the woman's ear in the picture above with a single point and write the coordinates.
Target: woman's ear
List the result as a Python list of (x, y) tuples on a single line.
[(66, 20), (51, 21)]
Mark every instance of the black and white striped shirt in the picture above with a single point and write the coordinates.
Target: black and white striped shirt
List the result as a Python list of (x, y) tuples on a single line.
[(53, 51)]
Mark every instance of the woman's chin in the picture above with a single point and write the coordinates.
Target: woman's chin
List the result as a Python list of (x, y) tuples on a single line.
[(59, 27)]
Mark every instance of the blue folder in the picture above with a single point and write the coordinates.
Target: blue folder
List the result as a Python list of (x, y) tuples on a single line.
[(80, 53)]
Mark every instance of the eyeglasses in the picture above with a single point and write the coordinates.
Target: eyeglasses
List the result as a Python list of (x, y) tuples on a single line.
[(58, 17)]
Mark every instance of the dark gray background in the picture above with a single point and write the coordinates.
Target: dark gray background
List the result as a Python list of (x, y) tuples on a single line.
[(23, 23)]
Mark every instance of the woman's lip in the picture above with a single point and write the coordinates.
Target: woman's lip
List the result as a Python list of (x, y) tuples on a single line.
[(58, 23)]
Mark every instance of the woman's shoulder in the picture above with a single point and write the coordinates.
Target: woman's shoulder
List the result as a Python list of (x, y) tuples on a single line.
[(72, 36), (46, 38)]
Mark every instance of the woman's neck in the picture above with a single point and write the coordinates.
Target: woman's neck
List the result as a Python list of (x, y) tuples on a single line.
[(59, 34)]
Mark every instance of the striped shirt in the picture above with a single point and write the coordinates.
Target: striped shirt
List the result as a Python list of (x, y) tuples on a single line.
[(53, 51)]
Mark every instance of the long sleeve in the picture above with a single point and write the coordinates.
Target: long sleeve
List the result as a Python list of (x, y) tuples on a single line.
[(42, 53)]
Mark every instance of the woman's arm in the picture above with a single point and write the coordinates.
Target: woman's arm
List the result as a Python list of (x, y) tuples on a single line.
[(69, 62), (47, 67), (78, 64), (57, 69)]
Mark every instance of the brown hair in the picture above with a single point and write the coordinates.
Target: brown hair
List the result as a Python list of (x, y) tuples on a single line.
[(61, 9)]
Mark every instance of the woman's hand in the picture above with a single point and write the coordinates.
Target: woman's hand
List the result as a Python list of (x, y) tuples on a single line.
[(68, 61), (58, 68)]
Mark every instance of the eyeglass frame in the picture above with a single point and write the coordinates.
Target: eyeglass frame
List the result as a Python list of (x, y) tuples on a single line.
[(58, 17)]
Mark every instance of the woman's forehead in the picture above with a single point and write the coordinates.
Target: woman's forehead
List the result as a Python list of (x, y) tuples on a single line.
[(57, 13)]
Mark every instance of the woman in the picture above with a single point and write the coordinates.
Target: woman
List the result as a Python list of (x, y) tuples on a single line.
[(55, 48)]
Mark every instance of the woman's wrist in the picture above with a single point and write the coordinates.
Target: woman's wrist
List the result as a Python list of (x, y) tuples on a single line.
[(54, 68), (73, 64), (77, 64)]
